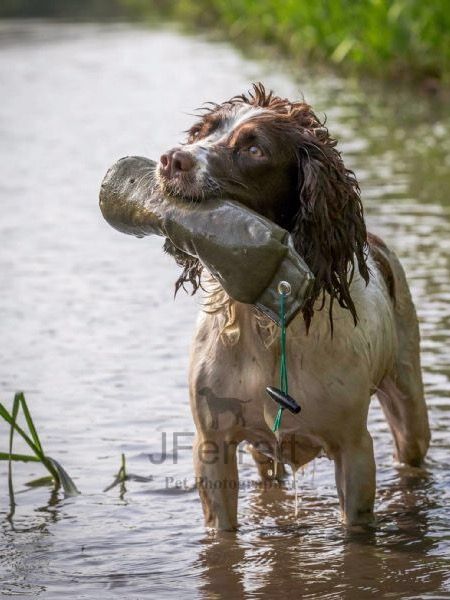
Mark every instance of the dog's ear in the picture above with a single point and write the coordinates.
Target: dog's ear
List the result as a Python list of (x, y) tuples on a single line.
[(329, 230)]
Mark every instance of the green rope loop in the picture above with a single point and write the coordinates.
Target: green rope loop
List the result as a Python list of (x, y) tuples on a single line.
[(283, 361)]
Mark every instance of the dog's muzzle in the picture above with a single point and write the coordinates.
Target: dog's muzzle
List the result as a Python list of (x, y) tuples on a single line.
[(176, 163), (247, 254)]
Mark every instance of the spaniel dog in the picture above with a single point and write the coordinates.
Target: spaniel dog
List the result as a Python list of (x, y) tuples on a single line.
[(357, 334)]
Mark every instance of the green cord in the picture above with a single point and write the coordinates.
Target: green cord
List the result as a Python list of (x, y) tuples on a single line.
[(283, 362)]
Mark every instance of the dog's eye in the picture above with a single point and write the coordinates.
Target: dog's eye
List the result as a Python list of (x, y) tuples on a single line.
[(255, 151)]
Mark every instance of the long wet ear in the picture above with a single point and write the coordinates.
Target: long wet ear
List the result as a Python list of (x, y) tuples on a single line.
[(329, 231), (192, 268)]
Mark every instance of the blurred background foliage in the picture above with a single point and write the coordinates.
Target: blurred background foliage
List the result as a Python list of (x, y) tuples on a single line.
[(76, 9), (406, 39)]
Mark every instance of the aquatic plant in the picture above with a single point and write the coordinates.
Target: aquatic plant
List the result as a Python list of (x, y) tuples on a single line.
[(58, 475), (120, 478), (123, 476)]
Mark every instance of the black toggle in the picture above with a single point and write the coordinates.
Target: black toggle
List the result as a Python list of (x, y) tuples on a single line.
[(283, 399)]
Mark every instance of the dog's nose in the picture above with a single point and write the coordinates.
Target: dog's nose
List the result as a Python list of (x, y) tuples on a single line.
[(176, 161)]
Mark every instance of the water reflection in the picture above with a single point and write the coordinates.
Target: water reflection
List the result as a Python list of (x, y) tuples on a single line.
[(326, 561), (90, 332)]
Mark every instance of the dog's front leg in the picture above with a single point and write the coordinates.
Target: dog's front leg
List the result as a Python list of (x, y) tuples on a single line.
[(217, 480), (355, 480)]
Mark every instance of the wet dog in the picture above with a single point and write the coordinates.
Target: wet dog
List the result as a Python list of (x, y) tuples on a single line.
[(357, 334)]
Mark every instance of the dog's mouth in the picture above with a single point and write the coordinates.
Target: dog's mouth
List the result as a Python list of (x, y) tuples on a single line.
[(181, 175), (182, 186)]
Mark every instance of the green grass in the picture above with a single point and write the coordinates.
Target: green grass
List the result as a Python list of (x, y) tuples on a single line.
[(120, 478), (58, 475), (123, 476), (406, 39)]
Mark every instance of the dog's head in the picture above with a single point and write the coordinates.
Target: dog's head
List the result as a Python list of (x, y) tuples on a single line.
[(277, 158)]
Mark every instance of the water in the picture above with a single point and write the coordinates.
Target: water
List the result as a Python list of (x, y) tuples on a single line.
[(89, 330)]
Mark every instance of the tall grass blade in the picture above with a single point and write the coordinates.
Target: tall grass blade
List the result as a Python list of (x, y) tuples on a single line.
[(123, 467), (341, 51), (19, 457), (41, 481), (70, 489), (29, 420), (8, 418), (12, 501)]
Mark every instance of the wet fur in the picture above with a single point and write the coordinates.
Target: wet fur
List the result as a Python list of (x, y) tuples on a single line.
[(361, 294), (324, 212)]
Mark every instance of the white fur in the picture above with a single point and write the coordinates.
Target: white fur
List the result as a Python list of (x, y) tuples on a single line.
[(200, 148), (332, 378)]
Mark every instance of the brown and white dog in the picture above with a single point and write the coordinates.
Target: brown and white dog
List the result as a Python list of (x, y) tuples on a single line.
[(357, 334)]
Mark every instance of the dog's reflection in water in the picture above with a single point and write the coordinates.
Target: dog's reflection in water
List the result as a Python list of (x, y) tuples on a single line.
[(272, 557)]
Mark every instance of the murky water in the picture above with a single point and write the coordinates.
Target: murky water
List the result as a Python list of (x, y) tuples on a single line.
[(89, 330)]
